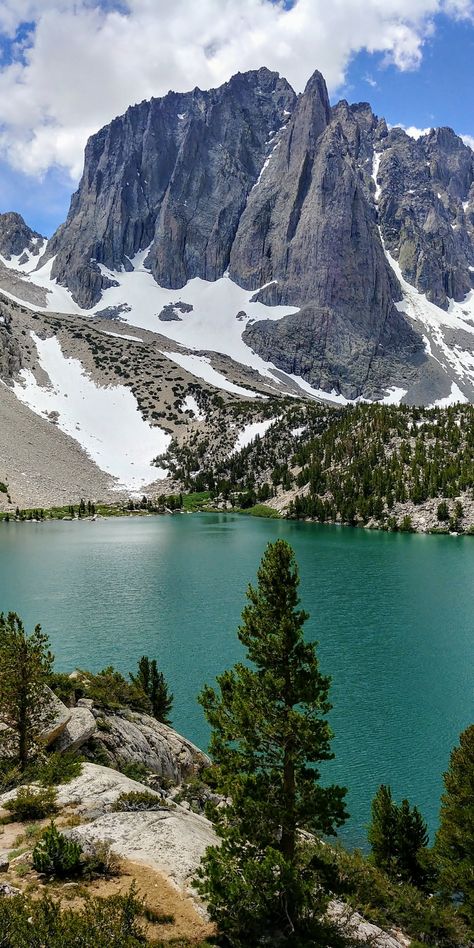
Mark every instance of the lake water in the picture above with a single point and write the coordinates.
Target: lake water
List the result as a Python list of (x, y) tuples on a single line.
[(394, 616)]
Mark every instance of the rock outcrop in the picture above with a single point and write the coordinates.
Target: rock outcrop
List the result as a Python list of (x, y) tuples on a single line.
[(10, 354), (57, 719), (16, 238), (172, 841), (130, 737)]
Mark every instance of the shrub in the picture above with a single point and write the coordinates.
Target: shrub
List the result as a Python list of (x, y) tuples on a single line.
[(56, 855), (133, 769), (137, 800), (443, 511), (102, 923), (109, 689), (100, 861), (388, 903), (63, 686), (32, 803), (59, 768)]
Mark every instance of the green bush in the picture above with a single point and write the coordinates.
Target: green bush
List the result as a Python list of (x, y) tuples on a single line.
[(133, 769), (3, 488), (59, 768), (137, 800), (109, 689), (63, 686), (56, 855), (31, 803), (113, 922)]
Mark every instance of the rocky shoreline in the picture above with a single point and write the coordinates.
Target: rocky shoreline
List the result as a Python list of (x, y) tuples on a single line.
[(159, 845)]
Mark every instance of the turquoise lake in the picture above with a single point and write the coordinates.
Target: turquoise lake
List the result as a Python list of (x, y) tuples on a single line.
[(393, 614)]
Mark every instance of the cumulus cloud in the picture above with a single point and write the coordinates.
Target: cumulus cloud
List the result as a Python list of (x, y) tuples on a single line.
[(468, 140), (74, 64), (413, 131)]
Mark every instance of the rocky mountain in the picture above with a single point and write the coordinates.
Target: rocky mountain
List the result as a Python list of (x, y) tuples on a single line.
[(243, 242), (17, 239), (172, 174), (300, 203)]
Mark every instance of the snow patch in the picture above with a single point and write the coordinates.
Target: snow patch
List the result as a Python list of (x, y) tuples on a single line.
[(375, 175), (190, 404), (250, 432), (393, 397), (120, 335), (201, 367), (455, 397), (105, 421), (459, 316)]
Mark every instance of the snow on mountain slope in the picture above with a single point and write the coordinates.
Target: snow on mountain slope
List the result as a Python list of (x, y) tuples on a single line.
[(444, 332), (201, 367), (250, 432), (212, 316), (105, 421), (209, 316)]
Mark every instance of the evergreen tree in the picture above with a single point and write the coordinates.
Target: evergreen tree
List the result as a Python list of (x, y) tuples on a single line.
[(269, 735), (25, 704), (382, 834), (155, 686), (412, 840), (454, 846), (398, 836)]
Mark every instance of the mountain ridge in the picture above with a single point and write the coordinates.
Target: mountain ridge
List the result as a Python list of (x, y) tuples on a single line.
[(251, 243)]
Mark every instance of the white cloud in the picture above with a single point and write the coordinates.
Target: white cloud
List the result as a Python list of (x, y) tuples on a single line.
[(413, 131), (86, 60), (468, 140)]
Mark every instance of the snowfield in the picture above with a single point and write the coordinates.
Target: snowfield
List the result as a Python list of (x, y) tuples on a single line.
[(105, 421), (221, 311), (250, 432)]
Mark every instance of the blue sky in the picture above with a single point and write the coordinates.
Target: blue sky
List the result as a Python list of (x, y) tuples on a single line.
[(439, 92), (64, 76)]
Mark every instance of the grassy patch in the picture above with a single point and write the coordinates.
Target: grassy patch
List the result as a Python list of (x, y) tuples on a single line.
[(261, 510), (194, 502)]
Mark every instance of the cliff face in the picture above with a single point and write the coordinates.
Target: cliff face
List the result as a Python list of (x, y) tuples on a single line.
[(10, 354), (173, 173)]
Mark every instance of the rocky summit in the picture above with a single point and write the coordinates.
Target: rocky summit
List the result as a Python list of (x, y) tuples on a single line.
[(242, 242)]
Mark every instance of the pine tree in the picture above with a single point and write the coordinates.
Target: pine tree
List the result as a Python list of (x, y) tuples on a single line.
[(269, 735), (155, 686), (412, 840), (25, 704), (454, 845), (398, 836), (382, 834)]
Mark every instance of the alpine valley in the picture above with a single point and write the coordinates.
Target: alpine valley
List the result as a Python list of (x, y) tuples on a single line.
[(237, 262)]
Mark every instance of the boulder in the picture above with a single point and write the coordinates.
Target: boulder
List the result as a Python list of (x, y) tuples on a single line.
[(4, 862), (57, 720), (80, 727), (131, 737), (172, 842), (356, 928), (97, 788), (8, 890)]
